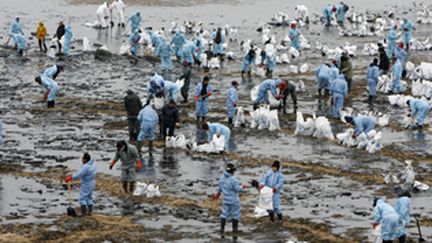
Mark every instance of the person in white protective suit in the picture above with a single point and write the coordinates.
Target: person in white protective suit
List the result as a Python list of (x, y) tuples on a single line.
[(103, 15), (302, 13), (117, 13)]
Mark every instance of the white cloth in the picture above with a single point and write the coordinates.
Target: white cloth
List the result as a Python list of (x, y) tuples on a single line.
[(118, 9), (301, 12), (101, 13)]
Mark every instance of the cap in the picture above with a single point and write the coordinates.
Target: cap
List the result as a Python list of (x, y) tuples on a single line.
[(230, 168), (276, 164)]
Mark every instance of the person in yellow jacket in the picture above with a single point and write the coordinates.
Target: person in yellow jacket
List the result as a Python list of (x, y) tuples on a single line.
[(41, 33)]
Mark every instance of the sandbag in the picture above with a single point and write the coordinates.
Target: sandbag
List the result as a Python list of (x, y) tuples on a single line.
[(158, 103), (178, 141), (152, 191), (323, 128), (265, 202), (240, 117), (273, 120), (140, 188), (217, 145)]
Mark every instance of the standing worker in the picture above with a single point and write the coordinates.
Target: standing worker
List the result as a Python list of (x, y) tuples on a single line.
[(275, 180), (403, 207), (133, 106), (202, 93), (302, 13), (391, 224), (418, 109), (407, 28), (59, 34), (391, 41), (134, 39), (217, 129), (248, 60), (41, 35), (268, 60), (232, 100), (117, 12), (170, 119), (130, 160), (148, 119), (338, 91), (87, 175), (164, 51), (294, 35), (20, 43), (342, 8), (103, 14), (373, 73), (135, 20), (67, 40), (397, 70), (327, 13), (218, 38), (16, 27), (230, 188), (291, 90), (178, 40), (346, 69), (384, 62)]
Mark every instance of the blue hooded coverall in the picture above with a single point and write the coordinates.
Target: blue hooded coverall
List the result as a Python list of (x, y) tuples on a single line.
[(407, 28), (155, 86), (218, 49), (219, 129), (178, 40), (134, 39), (270, 62), (274, 180), (16, 27), (20, 41), (327, 12), (363, 124), (265, 86), (201, 105), (397, 75), (230, 187), (171, 91), (87, 175), (339, 90), (67, 40), (165, 51), (148, 119), (187, 52), (325, 75), (401, 55), (403, 208), (373, 73), (391, 42), (391, 223), (50, 85), (340, 13), (135, 20), (419, 109), (232, 101), (198, 41), (294, 35), (247, 62)]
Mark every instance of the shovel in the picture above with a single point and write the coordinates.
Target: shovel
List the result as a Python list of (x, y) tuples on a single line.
[(70, 210), (421, 239)]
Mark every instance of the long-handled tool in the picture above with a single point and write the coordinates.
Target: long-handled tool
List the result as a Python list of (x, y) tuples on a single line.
[(421, 239), (70, 210)]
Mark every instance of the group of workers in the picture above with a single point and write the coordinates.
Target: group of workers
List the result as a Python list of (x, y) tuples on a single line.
[(334, 79)]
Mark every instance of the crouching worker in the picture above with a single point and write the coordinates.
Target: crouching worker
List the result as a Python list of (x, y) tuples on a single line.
[(363, 124), (230, 188), (129, 157), (275, 180), (217, 129), (51, 88), (87, 175), (391, 223)]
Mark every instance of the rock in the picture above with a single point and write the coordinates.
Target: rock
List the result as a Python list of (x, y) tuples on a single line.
[(361, 213), (345, 194), (102, 55)]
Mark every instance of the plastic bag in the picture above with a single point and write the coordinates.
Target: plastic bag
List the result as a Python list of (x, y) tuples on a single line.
[(214, 63), (293, 69), (153, 191), (180, 83), (377, 234), (178, 141), (217, 145), (420, 186), (273, 120), (408, 176), (158, 103), (294, 53), (305, 128), (140, 188), (265, 202), (240, 117), (86, 44), (124, 49), (304, 68), (323, 128), (260, 72)]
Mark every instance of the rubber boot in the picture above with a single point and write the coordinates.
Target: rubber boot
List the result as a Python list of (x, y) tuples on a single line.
[(271, 215), (319, 92), (279, 215), (125, 186), (51, 104), (89, 210), (139, 146), (230, 122), (83, 210), (123, 25), (131, 186), (150, 147), (235, 225), (250, 76), (222, 230), (370, 99)]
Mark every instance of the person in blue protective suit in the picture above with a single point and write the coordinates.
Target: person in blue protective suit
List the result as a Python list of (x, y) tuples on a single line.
[(178, 40), (418, 109), (326, 73), (87, 175), (218, 38), (268, 60), (401, 54), (248, 60), (217, 129), (164, 51), (67, 40), (294, 35), (232, 101), (199, 43), (341, 10), (135, 20), (202, 93), (363, 124), (16, 27), (407, 28), (338, 91), (20, 43), (403, 207), (171, 90), (327, 13), (391, 41), (275, 180), (187, 52), (373, 74), (397, 70), (53, 71), (134, 39), (391, 223), (230, 188), (269, 85), (148, 119), (51, 88), (155, 86), (130, 161)]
